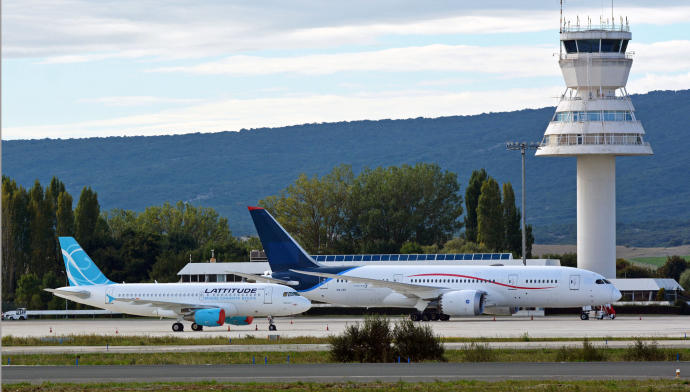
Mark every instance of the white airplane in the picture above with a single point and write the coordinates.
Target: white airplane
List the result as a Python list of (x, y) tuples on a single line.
[(436, 291), (205, 304)]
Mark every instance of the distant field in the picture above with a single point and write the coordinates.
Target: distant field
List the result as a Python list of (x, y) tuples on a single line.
[(654, 261)]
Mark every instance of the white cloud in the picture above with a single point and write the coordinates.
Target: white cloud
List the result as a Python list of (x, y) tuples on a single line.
[(651, 81), (272, 112), (80, 30), (509, 61), (138, 100)]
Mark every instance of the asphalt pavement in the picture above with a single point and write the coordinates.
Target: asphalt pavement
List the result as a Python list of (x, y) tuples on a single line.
[(415, 372)]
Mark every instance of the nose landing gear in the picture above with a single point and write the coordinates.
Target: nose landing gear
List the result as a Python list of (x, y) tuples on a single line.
[(178, 327), (271, 325)]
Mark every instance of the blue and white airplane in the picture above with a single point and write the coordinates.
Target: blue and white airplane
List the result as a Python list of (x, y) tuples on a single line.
[(204, 304), (436, 291)]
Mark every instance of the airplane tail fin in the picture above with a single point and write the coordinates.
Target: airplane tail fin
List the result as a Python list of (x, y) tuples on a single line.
[(81, 270), (282, 251)]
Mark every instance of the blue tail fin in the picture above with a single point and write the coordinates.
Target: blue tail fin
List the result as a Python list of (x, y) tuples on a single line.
[(81, 270), (282, 251)]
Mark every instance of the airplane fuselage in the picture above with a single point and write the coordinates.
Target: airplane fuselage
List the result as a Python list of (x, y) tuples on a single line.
[(237, 299), (511, 286)]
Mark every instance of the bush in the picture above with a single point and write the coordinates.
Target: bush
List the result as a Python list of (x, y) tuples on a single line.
[(588, 353), (478, 352), (416, 342), (641, 351), (369, 343), (375, 342)]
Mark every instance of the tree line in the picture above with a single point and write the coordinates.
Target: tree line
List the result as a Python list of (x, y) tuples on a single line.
[(127, 246), (407, 209)]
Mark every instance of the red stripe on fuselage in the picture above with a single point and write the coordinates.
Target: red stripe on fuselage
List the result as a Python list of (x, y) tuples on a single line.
[(487, 281)]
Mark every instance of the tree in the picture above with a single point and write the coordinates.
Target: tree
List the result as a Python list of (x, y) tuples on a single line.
[(411, 247), (627, 270), (15, 236), (64, 215), (86, 218), (511, 221), (672, 268), (471, 201), (50, 301), (684, 280), (490, 216), (42, 232), (28, 292)]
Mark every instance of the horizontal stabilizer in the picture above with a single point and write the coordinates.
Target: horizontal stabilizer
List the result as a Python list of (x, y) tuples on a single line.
[(71, 292), (264, 279)]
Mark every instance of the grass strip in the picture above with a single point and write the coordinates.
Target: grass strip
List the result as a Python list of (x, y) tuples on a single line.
[(436, 386), (143, 340), (470, 354)]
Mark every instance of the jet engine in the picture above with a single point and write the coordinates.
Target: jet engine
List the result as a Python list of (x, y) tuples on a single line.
[(463, 303), (239, 320), (208, 317)]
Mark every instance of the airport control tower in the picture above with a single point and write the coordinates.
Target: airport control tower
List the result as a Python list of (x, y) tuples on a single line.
[(595, 121)]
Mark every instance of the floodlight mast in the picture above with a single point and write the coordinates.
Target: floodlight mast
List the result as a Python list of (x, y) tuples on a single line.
[(522, 147)]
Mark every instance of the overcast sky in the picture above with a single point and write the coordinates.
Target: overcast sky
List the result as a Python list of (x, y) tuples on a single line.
[(73, 68)]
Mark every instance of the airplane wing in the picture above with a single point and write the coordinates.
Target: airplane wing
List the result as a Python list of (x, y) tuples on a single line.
[(264, 279), (177, 307), (73, 292), (406, 289)]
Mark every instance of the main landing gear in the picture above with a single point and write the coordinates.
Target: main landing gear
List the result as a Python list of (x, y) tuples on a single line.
[(271, 326), (429, 315), (178, 327), (197, 327)]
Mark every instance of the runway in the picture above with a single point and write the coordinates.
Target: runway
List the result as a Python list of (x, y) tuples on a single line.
[(505, 326), (347, 372)]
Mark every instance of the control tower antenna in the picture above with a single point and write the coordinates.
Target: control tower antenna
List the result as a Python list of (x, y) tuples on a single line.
[(595, 121)]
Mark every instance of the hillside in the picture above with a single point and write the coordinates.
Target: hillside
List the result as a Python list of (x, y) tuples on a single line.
[(230, 170)]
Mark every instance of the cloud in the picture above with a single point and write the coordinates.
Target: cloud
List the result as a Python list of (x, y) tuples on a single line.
[(509, 61), (80, 30), (138, 100), (235, 114)]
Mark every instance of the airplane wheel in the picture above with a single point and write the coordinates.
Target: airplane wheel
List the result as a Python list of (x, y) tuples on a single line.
[(445, 317), (425, 317), (197, 327), (435, 316), (584, 316), (272, 327), (612, 316), (414, 317), (177, 327)]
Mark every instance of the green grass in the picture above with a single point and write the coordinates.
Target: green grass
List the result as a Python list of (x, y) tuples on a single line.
[(218, 358), (654, 261), (143, 340), (437, 386)]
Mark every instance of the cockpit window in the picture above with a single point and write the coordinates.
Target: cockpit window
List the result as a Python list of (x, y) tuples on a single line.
[(599, 281)]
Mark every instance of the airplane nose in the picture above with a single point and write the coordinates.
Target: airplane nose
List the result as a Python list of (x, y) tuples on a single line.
[(615, 294), (304, 304)]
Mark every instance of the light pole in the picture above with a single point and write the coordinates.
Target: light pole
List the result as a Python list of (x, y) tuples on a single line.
[(522, 146)]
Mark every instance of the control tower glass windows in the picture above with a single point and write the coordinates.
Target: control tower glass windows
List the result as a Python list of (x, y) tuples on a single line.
[(570, 46), (595, 45)]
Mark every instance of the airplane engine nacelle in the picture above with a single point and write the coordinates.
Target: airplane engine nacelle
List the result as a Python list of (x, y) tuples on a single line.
[(239, 320), (463, 303), (208, 317)]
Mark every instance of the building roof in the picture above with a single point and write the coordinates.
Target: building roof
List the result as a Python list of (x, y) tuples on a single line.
[(646, 284), (224, 268)]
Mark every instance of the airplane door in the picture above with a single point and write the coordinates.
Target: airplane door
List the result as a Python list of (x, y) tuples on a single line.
[(268, 295), (512, 282), (397, 278), (574, 282)]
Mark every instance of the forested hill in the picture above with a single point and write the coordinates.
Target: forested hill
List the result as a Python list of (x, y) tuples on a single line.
[(230, 170)]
